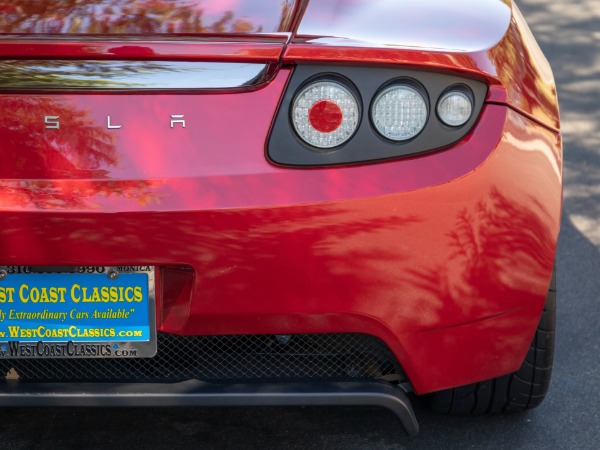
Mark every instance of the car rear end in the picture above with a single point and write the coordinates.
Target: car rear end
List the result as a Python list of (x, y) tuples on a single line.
[(156, 168)]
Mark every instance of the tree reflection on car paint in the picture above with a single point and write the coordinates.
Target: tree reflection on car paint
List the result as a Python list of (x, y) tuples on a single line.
[(143, 17), (83, 154)]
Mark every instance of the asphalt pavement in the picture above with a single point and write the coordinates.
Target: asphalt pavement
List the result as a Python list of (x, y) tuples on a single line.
[(569, 34)]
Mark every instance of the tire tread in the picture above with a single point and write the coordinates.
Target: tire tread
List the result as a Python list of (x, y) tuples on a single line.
[(516, 392)]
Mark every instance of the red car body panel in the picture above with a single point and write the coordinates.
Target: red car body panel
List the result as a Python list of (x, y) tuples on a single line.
[(265, 50), (482, 39), (144, 17), (446, 256)]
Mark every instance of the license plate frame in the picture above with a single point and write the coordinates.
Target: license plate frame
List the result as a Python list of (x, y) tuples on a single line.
[(77, 312)]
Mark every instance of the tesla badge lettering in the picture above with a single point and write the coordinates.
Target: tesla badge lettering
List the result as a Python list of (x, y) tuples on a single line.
[(52, 122), (110, 126), (177, 118)]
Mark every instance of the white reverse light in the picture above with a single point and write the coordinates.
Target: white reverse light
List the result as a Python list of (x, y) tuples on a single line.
[(399, 112), (325, 114), (455, 108)]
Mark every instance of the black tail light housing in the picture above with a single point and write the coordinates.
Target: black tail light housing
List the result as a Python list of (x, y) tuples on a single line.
[(286, 147)]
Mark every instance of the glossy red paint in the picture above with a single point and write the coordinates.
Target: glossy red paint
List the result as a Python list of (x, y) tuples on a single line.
[(457, 26), (144, 17), (490, 49), (446, 256), (253, 50), (370, 244), (203, 167)]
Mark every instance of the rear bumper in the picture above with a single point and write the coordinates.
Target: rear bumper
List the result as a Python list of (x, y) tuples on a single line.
[(446, 257), (197, 393)]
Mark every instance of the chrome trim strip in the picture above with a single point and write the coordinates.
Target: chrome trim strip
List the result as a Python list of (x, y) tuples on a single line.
[(128, 75)]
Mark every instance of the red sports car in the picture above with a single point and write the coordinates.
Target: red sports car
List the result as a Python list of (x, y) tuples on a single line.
[(233, 202)]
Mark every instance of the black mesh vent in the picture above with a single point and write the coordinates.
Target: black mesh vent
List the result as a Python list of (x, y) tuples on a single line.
[(244, 358)]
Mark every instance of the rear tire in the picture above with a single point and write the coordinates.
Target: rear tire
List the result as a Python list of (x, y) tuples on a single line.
[(516, 392)]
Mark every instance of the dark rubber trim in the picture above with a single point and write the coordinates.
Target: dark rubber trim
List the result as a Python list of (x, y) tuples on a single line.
[(198, 393)]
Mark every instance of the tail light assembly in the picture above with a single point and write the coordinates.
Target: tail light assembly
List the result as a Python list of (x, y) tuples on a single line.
[(399, 112), (362, 114), (325, 114)]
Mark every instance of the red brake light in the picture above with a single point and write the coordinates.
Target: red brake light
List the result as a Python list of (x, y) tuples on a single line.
[(325, 114)]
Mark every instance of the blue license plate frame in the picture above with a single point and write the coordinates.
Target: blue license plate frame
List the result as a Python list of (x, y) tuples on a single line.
[(77, 312)]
